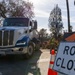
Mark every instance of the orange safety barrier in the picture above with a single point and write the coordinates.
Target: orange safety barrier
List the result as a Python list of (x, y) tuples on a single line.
[(50, 70)]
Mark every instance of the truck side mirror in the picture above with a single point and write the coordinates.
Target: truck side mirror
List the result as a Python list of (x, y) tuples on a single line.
[(35, 24), (30, 23)]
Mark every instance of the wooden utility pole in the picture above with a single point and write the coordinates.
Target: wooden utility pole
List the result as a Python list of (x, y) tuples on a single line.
[(68, 16)]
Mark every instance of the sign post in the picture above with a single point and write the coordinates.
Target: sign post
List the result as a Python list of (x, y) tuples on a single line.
[(65, 58)]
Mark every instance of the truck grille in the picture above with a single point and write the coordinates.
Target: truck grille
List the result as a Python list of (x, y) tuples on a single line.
[(6, 37)]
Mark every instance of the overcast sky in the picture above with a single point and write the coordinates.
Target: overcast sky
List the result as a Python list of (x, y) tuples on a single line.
[(42, 9)]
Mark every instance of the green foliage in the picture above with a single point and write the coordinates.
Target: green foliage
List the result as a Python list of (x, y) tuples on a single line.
[(52, 43)]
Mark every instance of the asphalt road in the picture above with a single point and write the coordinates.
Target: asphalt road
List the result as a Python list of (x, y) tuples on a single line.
[(17, 65), (13, 65)]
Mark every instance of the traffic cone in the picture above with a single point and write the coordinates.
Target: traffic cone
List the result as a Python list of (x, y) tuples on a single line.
[(50, 71)]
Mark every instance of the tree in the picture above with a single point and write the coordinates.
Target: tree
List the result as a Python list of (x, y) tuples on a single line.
[(55, 21), (16, 8), (43, 37), (42, 32)]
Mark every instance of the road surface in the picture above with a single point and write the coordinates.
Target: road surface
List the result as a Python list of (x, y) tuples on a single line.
[(38, 64)]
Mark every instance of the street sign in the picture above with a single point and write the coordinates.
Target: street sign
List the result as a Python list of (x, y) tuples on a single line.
[(65, 58)]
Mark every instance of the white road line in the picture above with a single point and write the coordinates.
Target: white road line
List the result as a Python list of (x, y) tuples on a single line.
[(46, 52), (43, 60)]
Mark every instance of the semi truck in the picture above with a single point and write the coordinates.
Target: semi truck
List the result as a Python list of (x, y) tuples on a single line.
[(19, 36)]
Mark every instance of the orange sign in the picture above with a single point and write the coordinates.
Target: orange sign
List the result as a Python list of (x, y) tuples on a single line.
[(71, 38)]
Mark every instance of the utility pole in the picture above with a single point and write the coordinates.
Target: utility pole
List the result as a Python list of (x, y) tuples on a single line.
[(68, 16), (74, 2)]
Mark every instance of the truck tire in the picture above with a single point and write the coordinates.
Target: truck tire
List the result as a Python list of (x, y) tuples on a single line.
[(29, 51)]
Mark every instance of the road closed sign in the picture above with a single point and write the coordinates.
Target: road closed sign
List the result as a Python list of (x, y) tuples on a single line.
[(65, 58)]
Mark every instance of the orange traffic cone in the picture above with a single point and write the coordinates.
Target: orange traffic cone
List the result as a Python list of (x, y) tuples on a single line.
[(50, 71)]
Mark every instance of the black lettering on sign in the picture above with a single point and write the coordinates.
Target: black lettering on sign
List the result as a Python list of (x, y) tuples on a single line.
[(66, 49), (57, 63), (72, 50), (62, 64), (70, 64)]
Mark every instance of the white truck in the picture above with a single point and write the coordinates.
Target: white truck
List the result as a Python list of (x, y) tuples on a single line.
[(19, 36)]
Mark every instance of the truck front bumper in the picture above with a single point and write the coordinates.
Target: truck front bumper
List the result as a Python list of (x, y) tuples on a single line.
[(16, 50)]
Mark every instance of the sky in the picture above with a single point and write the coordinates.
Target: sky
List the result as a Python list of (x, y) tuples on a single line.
[(42, 9)]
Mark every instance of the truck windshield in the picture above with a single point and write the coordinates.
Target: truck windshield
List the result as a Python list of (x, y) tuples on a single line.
[(16, 22)]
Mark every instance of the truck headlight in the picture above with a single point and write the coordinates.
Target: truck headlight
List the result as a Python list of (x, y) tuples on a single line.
[(21, 43)]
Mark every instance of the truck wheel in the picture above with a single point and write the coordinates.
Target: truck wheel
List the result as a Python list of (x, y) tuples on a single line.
[(29, 51)]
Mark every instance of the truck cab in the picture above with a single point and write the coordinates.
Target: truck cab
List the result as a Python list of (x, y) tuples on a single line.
[(18, 36)]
